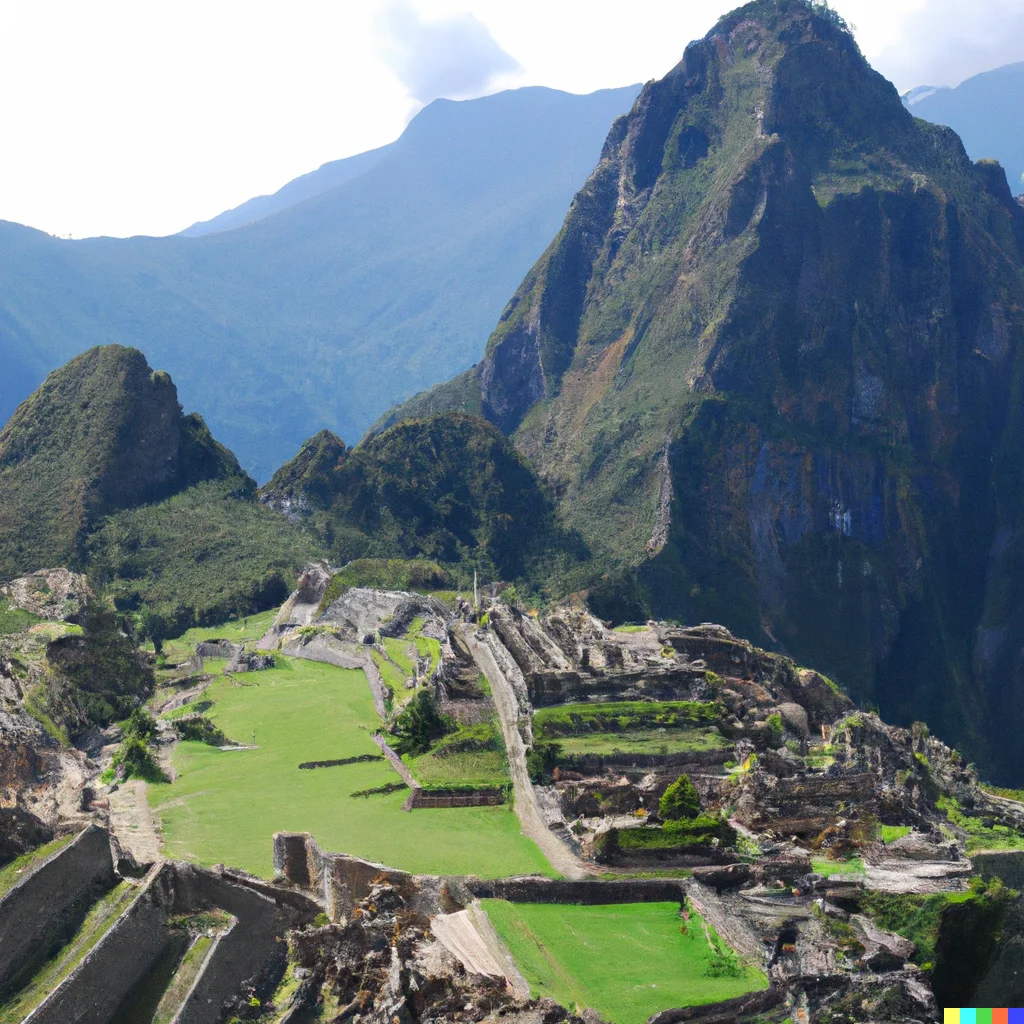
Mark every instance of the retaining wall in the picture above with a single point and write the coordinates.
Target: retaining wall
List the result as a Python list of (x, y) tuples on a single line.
[(454, 798), (590, 892), (44, 909), (94, 990)]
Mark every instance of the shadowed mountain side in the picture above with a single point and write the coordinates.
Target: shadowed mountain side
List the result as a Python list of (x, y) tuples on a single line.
[(450, 488), (771, 366), (325, 313)]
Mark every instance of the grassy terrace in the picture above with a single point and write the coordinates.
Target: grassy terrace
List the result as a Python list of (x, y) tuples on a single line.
[(224, 805), (645, 741), (624, 717), (627, 961), (98, 922)]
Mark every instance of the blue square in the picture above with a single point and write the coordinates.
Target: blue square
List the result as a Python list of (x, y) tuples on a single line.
[(1015, 1015)]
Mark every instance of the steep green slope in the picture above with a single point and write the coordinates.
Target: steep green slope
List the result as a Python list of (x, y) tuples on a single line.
[(102, 433), (450, 488), (772, 365), (100, 470), (375, 288)]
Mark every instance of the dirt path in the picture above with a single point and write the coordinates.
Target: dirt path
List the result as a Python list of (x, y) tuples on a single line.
[(559, 856), (471, 937), (132, 822)]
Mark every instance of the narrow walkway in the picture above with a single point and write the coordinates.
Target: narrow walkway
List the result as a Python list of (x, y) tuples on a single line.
[(402, 768), (559, 856), (131, 822)]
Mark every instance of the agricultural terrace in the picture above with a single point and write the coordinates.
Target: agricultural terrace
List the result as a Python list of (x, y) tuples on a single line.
[(224, 805), (627, 961)]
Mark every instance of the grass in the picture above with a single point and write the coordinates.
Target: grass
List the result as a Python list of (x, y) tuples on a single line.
[(400, 652), (1007, 794), (98, 922), (14, 620), (645, 741), (631, 628), (979, 837), (472, 768), (11, 874), (826, 866), (890, 833), (390, 673), (428, 647), (224, 806), (626, 961), (624, 716), (915, 917)]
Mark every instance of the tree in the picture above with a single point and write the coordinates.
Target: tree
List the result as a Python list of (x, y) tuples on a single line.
[(680, 800)]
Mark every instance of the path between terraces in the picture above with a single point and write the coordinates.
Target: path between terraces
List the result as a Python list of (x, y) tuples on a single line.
[(559, 856)]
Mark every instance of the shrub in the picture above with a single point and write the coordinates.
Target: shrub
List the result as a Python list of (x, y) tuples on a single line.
[(542, 759), (680, 800), (419, 724), (136, 762)]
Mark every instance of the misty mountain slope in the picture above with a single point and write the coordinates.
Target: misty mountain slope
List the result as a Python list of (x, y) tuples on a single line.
[(326, 313), (324, 178), (773, 367), (987, 112)]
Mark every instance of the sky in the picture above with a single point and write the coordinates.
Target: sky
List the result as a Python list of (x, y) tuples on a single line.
[(124, 118)]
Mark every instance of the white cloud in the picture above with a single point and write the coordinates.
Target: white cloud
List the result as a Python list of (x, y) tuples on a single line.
[(454, 57), (122, 117)]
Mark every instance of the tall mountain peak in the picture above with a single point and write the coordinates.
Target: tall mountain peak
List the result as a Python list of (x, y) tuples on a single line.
[(768, 365)]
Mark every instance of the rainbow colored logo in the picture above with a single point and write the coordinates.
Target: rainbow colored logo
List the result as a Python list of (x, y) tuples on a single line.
[(974, 1015)]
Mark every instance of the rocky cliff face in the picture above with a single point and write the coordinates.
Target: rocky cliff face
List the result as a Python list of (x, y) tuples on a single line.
[(772, 365)]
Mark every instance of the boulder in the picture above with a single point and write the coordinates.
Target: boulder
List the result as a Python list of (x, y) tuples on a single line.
[(795, 719), (724, 876), (55, 594)]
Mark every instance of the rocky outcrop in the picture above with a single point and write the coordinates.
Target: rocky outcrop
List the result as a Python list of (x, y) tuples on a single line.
[(55, 594)]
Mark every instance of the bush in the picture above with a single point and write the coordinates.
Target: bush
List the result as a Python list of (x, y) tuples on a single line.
[(136, 762), (680, 800), (419, 724), (140, 724), (541, 761), (200, 728)]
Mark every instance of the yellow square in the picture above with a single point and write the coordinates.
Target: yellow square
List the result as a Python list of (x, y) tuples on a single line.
[(951, 1015)]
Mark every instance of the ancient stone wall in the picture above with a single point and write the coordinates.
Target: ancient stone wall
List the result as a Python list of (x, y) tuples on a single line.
[(253, 948), (591, 892), (97, 986), (434, 798), (44, 909)]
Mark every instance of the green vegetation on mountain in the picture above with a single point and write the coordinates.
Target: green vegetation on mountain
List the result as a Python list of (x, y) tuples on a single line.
[(773, 368), (101, 471), (450, 489)]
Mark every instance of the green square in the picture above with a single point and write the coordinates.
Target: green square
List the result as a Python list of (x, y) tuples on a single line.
[(983, 1016)]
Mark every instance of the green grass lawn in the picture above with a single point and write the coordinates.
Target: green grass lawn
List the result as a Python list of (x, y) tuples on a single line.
[(402, 653), (890, 833), (469, 768), (627, 961), (825, 866), (645, 741), (224, 806)]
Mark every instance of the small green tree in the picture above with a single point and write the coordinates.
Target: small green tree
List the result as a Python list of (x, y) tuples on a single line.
[(419, 724), (680, 800)]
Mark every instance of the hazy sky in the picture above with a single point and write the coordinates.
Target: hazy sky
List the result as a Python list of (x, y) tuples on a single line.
[(121, 117)]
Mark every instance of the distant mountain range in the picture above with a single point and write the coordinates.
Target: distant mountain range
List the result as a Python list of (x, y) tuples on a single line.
[(986, 112), (347, 291)]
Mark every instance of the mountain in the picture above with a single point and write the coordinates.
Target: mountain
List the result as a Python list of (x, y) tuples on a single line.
[(985, 112), (327, 312), (101, 470), (772, 365), (450, 488), (325, 177)]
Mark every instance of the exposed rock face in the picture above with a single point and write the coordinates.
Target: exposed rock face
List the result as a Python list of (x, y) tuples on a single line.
[(793, 308), (56, 594)]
